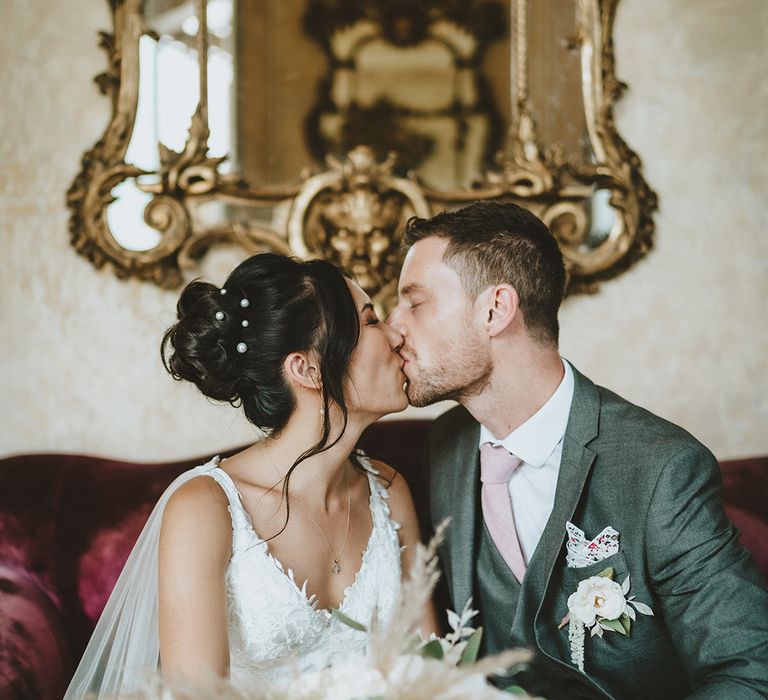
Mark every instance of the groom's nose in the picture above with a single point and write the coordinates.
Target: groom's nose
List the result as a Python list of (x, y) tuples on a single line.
[(394, 337)]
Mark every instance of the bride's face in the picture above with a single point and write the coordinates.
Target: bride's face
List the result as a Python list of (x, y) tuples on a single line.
[(375, 384)]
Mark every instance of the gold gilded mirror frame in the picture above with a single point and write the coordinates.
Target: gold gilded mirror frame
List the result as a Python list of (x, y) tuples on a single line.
[(353, 212)]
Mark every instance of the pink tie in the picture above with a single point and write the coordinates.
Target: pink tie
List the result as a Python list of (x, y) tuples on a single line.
[(496, 466)]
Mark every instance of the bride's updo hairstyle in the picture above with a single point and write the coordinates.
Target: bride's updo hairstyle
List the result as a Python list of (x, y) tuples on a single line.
[(231, 342)]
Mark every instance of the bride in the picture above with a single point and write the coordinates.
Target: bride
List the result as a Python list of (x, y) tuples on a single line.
[(242, 561)]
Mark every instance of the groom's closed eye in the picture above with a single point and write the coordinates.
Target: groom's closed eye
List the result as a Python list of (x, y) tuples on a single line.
[(414, 301)]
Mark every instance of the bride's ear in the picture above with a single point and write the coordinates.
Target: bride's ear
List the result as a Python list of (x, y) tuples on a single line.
[(302, 370)]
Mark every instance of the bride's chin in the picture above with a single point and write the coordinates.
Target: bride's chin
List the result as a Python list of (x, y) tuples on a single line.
[(399, 402), (403, 397)]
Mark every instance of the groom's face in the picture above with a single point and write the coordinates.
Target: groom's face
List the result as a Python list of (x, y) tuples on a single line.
[(434, 328)]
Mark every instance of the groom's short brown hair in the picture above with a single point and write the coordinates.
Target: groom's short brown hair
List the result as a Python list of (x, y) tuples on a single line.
[(492, 243)]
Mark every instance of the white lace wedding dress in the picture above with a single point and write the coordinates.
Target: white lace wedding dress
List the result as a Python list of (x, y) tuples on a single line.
[(275, 629)]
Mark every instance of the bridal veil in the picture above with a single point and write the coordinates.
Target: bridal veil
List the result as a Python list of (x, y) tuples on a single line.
[(124, 651)]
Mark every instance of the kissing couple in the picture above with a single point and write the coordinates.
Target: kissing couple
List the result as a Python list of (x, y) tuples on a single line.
[(571, 509)]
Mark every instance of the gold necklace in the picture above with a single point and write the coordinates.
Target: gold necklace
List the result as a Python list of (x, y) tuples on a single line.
[(336, 568)]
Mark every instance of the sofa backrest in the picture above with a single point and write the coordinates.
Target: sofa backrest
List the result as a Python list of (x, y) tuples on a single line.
[(68, 522)]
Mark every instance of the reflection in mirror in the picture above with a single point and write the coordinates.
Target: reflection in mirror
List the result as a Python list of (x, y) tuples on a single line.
[(169, 92), (173, 72), (430, 81), (408, 78), (125, 217), (582, 225), (394, 76), (602, 218)]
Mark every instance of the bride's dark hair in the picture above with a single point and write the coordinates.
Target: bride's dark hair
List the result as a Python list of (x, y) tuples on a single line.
[(231, 342)]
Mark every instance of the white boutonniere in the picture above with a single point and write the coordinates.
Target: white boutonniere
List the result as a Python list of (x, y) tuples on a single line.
[(600, 605)]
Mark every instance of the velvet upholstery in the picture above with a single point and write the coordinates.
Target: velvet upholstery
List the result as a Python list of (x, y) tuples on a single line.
[(68, 522)]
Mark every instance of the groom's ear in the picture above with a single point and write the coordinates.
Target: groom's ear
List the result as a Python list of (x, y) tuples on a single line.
[(501, 307), (301, 369)]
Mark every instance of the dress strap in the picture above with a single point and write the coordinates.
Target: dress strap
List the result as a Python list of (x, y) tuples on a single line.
[(240, 518), (379, 495)]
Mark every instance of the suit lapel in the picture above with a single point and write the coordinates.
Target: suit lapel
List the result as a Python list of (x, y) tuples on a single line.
[(463, 529), (575, 464)]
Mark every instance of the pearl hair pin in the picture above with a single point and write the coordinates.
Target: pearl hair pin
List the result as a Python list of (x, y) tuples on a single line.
[(219, 315), (244, 323), (244, 303), (223, 291), (241, 348)]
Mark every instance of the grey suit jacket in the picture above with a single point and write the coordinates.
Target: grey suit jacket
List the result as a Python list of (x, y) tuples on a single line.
[(660, 488)]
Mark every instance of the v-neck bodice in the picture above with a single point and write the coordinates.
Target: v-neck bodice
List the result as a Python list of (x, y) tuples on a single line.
[(275, 628)]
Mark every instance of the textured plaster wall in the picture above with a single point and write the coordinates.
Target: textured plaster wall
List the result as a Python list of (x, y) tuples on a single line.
[(684, 333)]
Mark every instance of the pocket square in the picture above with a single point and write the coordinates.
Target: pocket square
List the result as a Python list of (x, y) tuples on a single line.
[(581, 552)]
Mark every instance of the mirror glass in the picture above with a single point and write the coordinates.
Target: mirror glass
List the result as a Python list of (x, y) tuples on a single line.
[(169, 91)]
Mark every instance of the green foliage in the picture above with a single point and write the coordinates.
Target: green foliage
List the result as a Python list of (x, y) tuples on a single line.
[(348, 621), (432, 650), (615, 625), (469, 656)]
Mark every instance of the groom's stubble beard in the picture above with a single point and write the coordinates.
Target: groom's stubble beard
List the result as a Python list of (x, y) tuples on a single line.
[(466, 373)]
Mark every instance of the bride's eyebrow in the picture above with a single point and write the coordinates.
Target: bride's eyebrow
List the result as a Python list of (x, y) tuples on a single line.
[(367, 305)]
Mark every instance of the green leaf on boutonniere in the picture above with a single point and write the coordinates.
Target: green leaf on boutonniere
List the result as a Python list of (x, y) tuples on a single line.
[(515, 690), (348, 621), (614, 625), (432, 650), (607, 573), (626, 623), (469, 656)]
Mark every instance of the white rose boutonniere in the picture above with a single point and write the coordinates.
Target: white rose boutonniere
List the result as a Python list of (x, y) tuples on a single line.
[(600, 605)]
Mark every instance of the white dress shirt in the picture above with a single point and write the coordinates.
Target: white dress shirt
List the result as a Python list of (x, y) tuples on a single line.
[(539, 443)]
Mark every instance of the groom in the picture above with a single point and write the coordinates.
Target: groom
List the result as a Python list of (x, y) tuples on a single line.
[(535, 447)]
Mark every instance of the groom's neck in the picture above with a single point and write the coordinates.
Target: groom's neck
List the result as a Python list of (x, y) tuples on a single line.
[(522, 380)]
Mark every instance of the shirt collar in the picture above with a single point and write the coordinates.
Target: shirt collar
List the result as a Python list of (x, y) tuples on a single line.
[(536, 439)]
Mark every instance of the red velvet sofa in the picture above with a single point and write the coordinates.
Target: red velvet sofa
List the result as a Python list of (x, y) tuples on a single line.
[(68, 522)]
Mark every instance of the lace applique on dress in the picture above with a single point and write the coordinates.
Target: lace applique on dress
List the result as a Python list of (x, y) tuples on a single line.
[(275, 629)]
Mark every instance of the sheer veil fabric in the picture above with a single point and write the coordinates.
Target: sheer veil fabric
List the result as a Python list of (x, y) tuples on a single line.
[(124, 649)]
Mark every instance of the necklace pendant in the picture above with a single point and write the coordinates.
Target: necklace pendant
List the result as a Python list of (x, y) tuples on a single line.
[(336, 568)]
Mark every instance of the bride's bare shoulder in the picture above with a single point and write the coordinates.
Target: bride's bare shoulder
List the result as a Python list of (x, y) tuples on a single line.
[(202, 492), (197, 512)]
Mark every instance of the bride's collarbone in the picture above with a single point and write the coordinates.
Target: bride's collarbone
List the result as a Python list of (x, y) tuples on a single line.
[(299, 547), (267, 505)]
